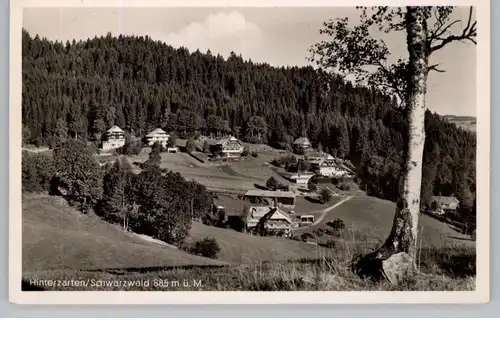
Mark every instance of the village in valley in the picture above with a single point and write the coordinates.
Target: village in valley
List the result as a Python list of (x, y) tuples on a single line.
[(142, 160), (254, 191)]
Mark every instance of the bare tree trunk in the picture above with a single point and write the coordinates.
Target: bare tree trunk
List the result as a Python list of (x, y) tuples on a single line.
[(403, 236)]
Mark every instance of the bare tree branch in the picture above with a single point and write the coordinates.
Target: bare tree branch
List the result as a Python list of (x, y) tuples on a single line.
[(435, 68), (469, 33)]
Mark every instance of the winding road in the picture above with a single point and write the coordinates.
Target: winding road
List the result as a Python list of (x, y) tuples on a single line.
[(327, 210)]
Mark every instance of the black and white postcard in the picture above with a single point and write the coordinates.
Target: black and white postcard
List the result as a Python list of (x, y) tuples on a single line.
[(294, 152)]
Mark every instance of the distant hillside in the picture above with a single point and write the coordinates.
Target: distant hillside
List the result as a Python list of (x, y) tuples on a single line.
[(83, 88), (465, 122)]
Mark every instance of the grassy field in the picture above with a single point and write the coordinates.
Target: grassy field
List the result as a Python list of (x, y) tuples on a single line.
[(60, 243), (240, 248), (452, 269), (234, 176), (55, 237), (369, 220)]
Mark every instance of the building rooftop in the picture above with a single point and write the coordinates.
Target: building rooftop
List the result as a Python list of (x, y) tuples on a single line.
[(302, 140), (226, 139), (444, 199), (157, 131), (115, 129), (269, 193), (266, 213)]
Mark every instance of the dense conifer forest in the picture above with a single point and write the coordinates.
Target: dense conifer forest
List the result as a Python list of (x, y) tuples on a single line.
[(81, 88)]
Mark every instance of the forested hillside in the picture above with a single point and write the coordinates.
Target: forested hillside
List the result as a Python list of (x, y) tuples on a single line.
[(82, 88)]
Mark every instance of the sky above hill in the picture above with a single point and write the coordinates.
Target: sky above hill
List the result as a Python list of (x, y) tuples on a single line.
[(278, 36)]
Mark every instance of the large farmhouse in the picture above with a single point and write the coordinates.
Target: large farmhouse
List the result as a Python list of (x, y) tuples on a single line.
[(301, 178), (157, 136), (228, 147), (113, 138), (331, 169), (326, 165), (269, 219)]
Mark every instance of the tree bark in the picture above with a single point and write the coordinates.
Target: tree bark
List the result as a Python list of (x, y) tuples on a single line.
[(403, 236)]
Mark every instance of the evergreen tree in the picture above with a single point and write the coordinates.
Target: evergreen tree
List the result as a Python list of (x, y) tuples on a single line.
[(342, 144)]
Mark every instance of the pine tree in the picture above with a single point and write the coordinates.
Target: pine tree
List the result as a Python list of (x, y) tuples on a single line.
[(342, 144)]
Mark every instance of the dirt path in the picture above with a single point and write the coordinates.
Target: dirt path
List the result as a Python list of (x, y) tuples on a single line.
[(327, 210)]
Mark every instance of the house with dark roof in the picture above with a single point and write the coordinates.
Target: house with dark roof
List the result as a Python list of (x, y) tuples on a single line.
[(157, 136), (271, 220), (302, 144), (442, 204), (228, 147)]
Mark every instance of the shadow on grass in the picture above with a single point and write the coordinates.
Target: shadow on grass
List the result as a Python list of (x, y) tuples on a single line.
[(146, 269), (462, 238), (459, 266), (312, 200), (261, 187)]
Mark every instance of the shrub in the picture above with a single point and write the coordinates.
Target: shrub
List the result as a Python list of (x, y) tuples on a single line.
[(303, 166), (246, 151), (207, 247), (190, 146), (278, 162), (325, 195), (306, 236), (330, 244), (337, 224), (172, 141), (318, 232), (206, 147), (312, 187), (272, 183), (254, 153)]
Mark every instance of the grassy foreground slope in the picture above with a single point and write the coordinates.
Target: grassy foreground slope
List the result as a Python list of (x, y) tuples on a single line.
[(56, 237), (240, 248), (60, 243), (371, 220)]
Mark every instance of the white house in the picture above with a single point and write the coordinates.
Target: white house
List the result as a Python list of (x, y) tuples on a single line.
[(331, 170), (157, 135), (442, 204), (301, 178), (316, 158), (229, 147), (113, 138)]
